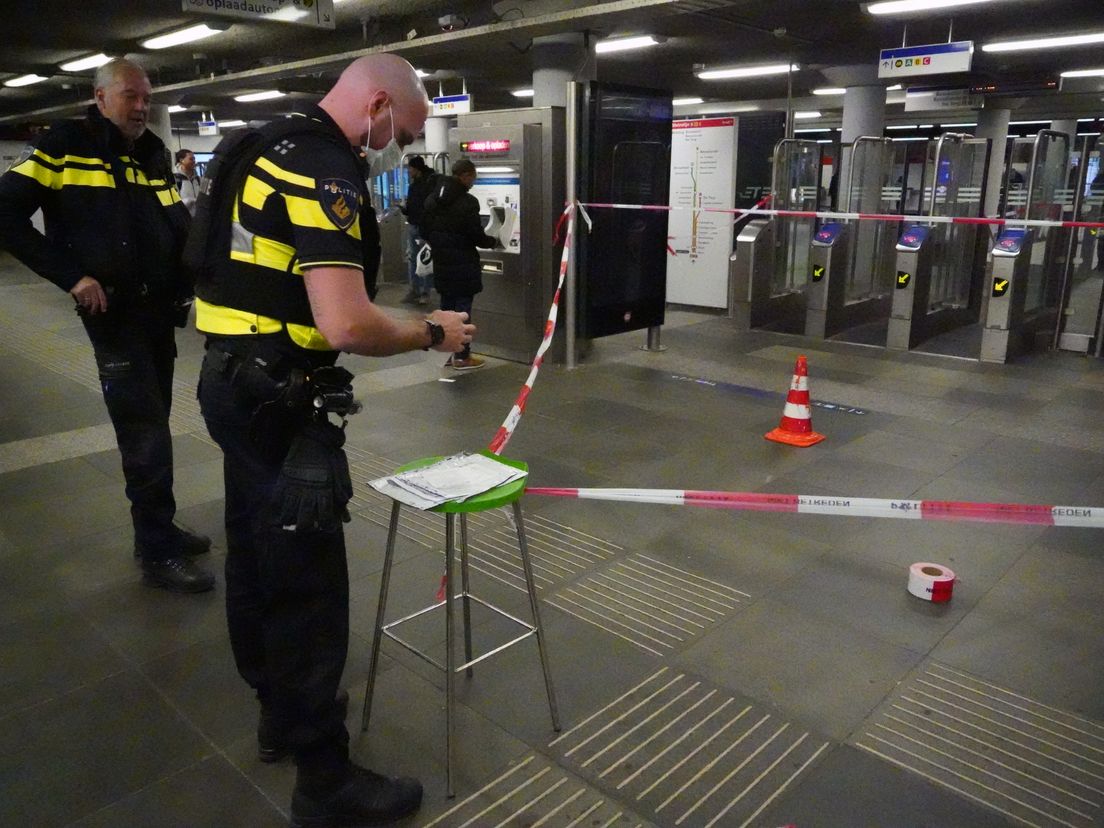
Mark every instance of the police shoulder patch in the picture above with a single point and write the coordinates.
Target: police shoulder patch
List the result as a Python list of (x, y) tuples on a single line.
[(27, 152), (339, 198)]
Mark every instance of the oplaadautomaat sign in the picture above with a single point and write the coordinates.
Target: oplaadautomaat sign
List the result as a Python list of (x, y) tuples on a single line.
[(317, 13)]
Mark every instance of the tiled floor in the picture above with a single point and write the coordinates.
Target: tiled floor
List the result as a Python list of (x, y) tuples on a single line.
[(713, 667)]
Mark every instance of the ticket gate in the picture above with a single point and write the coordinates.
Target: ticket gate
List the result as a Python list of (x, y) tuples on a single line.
[(938, 270), (1079, 317), (1028, 264), (849, 264), (519, 156), (769, 270)]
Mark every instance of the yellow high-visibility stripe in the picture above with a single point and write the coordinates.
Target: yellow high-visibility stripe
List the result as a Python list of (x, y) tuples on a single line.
[(68, 177), (306, 212), (285, 175), (71, 159), (223, 321), (268, 253), (255, 193), (168, 197)]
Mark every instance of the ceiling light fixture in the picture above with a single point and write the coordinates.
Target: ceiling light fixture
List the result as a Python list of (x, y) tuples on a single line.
[(814, 129), (252, 97), (910, 138), (523, 93), (948, 126), (1044, 42), (1083, 73), (901, 126), (830, 90), (174, 108), (895, 88), (623, 44), (230, 124), (422, 73), (807, 115), (906, 6), (687, 101), (25, 80), (181, 36), (494, 170), (1026, 123), (748, 71), (81, 64)]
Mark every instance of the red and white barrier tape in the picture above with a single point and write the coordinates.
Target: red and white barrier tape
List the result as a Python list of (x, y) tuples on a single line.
[(506, 430), (755, 211), (950, 510)]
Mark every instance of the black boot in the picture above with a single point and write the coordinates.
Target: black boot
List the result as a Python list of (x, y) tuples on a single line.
[(366, 798), (177, 574), (191, 544), (270, 743)]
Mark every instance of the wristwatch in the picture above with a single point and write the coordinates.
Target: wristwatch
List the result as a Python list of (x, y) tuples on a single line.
[(436, 334)]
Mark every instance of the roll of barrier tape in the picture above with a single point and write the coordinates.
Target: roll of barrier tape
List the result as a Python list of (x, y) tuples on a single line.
[(931, 582)]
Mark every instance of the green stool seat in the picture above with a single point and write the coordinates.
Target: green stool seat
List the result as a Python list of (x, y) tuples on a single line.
[(508, 494)]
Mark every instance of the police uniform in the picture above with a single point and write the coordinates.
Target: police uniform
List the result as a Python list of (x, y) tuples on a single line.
[(112, 212), (303, 204)]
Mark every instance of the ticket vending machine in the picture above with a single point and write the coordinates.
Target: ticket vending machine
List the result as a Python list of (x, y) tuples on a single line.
[(910, 293), (825, 298), (1004, 331), (519, 160)]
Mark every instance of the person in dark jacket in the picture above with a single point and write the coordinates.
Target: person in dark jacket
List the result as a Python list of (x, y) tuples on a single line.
[(187, 179), (115, 230), (454, 230), (422, 180)]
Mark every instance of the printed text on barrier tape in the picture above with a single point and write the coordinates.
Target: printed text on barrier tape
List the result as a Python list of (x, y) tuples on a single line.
[(756, 211), (946, 510), (506, 430)]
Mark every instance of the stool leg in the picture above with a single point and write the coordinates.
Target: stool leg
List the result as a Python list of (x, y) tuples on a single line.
[(532, 587), (466, 584), (377, 634), (450, 549)]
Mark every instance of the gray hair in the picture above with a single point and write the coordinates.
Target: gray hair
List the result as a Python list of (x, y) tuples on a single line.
[(111, 71)]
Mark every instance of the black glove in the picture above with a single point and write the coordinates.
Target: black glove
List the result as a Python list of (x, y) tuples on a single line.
[(314, 486), (181, 310)]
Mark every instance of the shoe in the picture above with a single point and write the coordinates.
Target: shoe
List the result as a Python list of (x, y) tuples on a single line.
[(270, 747), (469, 364), (189, 544), (411, 298), (423, 299), (367, 798), (177, 574)]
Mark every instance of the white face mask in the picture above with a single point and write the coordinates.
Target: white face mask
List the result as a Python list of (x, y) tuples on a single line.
[(386, 159)]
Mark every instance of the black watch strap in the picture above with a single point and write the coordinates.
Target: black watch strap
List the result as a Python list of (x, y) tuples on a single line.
[(436, 334)]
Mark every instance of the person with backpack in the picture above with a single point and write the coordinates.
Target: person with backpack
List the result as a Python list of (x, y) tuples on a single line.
[(115, 229), (286, 248), (454, 230), (422, 180)]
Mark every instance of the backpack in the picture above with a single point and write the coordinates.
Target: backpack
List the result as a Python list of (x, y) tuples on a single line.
[(208, 246)]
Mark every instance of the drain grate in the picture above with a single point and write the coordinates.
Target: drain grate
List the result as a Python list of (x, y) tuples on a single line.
[(689, 753), (1035, 763), (652, 604)]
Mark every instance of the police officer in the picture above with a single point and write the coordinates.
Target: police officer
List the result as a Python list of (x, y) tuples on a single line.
[(115, 229), (278, 304)]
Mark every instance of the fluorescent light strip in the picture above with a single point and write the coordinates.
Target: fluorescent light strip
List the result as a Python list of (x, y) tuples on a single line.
[(180, 37), (830, 90), (910, 138), (1044, 43), (814, 129), (895, 88), (422, 73), (24, 80), (948, 126), (523, 93), (748, 71), (687, 101), (174, 108), (1087, 134), (622, 44), (267, 95), (902, 126), (1083, 73), (81, 64), (1027, 123), (1085, 120), (495, 170), (229, 124), (808, 115), (907, 6)]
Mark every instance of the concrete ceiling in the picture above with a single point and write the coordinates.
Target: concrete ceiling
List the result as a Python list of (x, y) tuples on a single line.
[(489, 49)]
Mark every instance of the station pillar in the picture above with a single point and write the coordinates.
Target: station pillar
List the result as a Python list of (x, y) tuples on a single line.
[(863, 113), (993, 124), (558, 60)]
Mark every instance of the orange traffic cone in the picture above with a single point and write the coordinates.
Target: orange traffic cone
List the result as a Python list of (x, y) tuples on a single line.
[(796, 428)]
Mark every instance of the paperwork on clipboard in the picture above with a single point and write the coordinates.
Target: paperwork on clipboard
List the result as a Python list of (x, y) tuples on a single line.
[(455, 478)]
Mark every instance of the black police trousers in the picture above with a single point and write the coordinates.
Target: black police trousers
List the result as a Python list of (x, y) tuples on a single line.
[(287, 591), (135, 347)]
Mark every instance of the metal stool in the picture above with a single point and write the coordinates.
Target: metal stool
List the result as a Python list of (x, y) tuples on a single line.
[(499, 496)]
